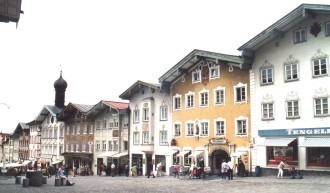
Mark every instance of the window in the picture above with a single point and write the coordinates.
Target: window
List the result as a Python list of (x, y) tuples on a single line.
[(50, 134), (204, 128), (61, 132), (85, 129), (116, 123), (77, 129), (267, 111), (145, 137), (204, 98), (190, 129), (125, 121), (219, 96), (125, 145), (98, 125), (241, 127), (321, 106), (83, 147), (72, 148), (320, 67), (145, 114), (110, 124), (115, 145), (266, 76), (220, 128), (300, 35), (327, 28), (189, 100), (240, 93), (67, 147), (67, 130), (104, 124), (98, 145), (177, 130), (291, 72), (136, 116), (177, 102), (104, 145), (196, 76), (214, 72), (136, 138), (292, 108), (90, 128), (109, 145), (163, 113), (163, 138)]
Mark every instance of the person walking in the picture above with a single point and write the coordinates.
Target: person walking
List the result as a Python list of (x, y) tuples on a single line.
[(126, 170), (224, 170), (49, 171), (230, 170), (191, 170), (150, 170), (159, 169), (281, 166), (113, 167), (134, 170), (176, 170)]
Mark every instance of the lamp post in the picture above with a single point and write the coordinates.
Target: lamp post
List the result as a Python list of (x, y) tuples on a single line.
[(3, 170)]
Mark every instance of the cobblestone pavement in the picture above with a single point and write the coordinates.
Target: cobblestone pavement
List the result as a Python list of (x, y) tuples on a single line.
[(169, 184)]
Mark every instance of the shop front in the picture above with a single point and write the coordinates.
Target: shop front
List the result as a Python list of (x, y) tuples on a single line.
[(303, 148)]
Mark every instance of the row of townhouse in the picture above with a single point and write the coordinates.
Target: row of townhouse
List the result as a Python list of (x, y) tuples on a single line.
[(268, 104)]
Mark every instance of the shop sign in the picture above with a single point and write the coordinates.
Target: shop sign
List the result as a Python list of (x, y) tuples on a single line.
[(295, 132), (218, 141)]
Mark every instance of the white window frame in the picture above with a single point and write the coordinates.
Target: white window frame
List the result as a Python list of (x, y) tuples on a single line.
[(222, 126), (290, 68), (267, 111), (177, 102), (104, 145), (110, 146), (214, 72), (145, 115), (136, 116), (321, 109), (136, 138), (300, 35), (190, 129), (115, 146), (204, 128), (83, 147), (320, 65), (239, 125), (163, 137), (190, 100), (327, 29), (85, 129), (292, 109), (243, 95), (267, 76), (163, 113), (177, 129), (204, 98), (145, 137), (72, 147), (104, 124), (98, 145), (196, 76), (220, 95), (116, 123)]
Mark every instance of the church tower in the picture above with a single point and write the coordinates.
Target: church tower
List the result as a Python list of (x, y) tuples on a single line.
[(60, 87)]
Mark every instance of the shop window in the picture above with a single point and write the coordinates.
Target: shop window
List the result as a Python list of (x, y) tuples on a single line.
[(288, 153), (187, 160), (161, 159), (318, 156)]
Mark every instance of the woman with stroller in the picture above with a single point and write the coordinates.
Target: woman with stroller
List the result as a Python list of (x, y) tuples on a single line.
[(280, 169)]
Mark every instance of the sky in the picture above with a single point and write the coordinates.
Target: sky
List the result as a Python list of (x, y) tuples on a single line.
[(103, 47)]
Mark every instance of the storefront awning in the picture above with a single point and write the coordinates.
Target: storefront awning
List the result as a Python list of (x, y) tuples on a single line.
[(107, 154), (278, 142), (238, 154), (171, 152), (181, 154), (120, 155), (196, 153), (316, 142)]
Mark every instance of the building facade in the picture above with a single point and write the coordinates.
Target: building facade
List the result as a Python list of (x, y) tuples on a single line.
[(150, 128), (290, 91), (211, 109)]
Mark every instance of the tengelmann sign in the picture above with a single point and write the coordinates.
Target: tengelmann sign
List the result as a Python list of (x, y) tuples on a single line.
[(295, 132)]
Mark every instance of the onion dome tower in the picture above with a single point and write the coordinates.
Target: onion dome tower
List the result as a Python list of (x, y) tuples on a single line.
[(60, 87)]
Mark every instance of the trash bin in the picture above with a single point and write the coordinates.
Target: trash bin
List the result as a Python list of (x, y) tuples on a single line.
[(257, 171)]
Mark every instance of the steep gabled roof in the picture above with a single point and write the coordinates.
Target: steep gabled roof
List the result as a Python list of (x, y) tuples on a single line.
[(72, 107), (193, 59), (47, 109), (127, 94), (299, 14), (20, 127), (103, 104)]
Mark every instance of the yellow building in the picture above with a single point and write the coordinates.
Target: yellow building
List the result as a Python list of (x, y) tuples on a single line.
[(211, 109)]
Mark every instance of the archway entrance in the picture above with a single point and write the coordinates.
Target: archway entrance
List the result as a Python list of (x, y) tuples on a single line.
[(217, 158)]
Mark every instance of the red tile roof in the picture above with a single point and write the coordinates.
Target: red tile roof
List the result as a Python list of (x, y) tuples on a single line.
[(118, 105)]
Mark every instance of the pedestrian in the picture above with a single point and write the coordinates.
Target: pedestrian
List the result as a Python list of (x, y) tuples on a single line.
[(230, 170), (281, 166), (176, 170), (49, 171), (113, 167), (74, 171), (150, 170), (126, 170), (64, 177), (191, 170), (134, 170), (224, 170), (101, 169), (66, 169), (159, 169), (56, 172)]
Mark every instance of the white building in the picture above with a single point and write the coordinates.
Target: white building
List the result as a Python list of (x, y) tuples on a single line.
[(150, 126), (111, 136), (290, 90)]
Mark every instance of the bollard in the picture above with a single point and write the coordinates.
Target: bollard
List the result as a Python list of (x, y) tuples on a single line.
[(18, 180), (57, 182), (26, 182), (44, 180)]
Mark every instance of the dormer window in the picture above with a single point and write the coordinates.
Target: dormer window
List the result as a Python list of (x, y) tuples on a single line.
[(196, 76), (300, 36), (214, 72)]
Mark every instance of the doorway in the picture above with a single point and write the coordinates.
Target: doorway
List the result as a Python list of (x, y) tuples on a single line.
[(217, 158)]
